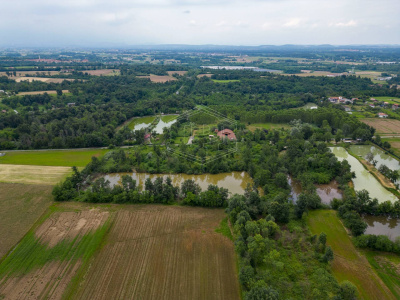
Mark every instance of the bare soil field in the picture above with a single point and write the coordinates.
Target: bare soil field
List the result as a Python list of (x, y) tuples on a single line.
[(101, 72), (384, 126), (32, 174), (86, 251), (159, 79), (68, 225), (41, 92), (180, 73), (163, 252), (53, 257), (20, 206)]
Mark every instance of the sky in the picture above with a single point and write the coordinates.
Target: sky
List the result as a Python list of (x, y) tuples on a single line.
[(198, 22)]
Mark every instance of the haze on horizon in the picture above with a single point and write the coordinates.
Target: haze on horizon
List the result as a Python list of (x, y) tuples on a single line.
[(196, 22)]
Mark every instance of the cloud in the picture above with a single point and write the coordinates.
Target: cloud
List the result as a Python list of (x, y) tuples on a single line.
[(293, 23), (350, 23), (251, 22)]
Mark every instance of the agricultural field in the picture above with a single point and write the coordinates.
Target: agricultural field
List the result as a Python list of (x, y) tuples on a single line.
[(20, 206), (51, 92), (43, 79), (384, 126), (102, 72), (33, 174), (30, 73), (268, 126), (50, 256), (123, 252), (62, 158), (348, 264), (158, 79)]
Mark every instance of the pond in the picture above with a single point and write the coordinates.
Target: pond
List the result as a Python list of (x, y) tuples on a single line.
[(379, 156), (235, 182), (382, 225), (140, 123), (161, 124), (364, 179), (326, 191)]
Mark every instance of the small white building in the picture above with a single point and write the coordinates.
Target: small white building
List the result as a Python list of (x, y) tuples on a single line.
[(382, 115)]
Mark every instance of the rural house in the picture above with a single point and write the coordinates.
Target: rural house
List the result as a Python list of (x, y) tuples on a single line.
[(382, 115), (227, 134)]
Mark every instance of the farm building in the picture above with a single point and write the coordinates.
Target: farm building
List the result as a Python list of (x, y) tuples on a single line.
[(395, 106), (382, 115), (228, 134)]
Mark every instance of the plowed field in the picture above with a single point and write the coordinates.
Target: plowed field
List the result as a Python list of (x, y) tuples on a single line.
[(159, 252)]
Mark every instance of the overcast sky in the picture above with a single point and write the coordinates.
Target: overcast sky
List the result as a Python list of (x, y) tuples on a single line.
[(228, 22)]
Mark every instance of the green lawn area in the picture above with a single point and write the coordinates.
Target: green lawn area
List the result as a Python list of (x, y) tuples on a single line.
[(168, 118), (253, 127), (349, 263), (391, 100), (225, 81), (67, 158)]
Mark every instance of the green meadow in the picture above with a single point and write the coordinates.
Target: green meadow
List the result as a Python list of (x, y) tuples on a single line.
[(66, 158)]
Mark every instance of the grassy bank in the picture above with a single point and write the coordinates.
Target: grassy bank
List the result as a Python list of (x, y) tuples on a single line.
[(348, 264)]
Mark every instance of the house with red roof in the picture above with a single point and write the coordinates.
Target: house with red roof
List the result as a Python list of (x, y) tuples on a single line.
[(227, 134)]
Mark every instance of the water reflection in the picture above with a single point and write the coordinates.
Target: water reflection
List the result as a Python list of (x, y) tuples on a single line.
[(161, 124), (381, 225), (364, 180), (327, 192), (379, 156), (144, 122), (235, 182)]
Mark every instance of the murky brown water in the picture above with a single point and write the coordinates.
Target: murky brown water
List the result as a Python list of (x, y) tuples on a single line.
[(235, 182), (326, 191), (364, 180), (381, 225)]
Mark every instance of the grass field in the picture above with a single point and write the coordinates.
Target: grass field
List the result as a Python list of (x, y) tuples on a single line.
[(389, 99), (20, 206), (168, 118), (145, 121), (83, 251), (348, 263), (268, 126), (67, 158), (51, 92), (384, 126), (387, 266), (33, 174)]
